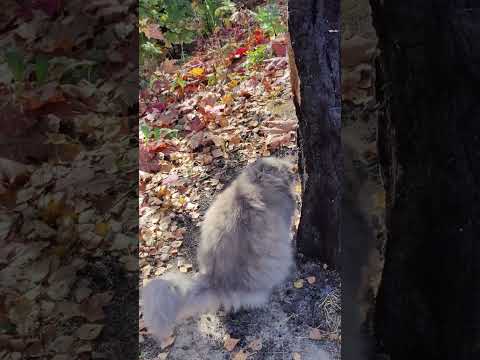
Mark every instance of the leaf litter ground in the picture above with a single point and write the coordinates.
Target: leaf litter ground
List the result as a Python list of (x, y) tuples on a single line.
[(202, 122), (68, 173)]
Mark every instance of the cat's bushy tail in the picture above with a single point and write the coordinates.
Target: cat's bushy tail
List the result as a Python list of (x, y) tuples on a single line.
[(175, 297)]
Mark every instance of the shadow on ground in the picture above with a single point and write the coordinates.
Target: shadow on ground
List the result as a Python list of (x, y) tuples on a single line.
[(283, 326)]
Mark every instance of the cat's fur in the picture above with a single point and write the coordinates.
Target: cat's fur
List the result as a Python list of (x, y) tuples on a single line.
[(244, 251)]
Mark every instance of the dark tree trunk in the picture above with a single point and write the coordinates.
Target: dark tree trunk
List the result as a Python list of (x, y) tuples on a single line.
[(315, 46), (428, 75)]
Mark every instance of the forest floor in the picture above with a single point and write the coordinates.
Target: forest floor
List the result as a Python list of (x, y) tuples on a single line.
[(202, 122)]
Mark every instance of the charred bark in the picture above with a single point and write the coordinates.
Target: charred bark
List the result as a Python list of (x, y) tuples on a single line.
[(315, 49), (428, 306)]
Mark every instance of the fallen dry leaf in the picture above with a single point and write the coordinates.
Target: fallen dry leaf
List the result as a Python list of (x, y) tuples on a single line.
[(241, 355), (298, 284), (229, 343), (296, 356), (89, 331), (162, 356), (255, 345), (197, 71), (167, 342), (316, 334), (153, 31), (276, 141)]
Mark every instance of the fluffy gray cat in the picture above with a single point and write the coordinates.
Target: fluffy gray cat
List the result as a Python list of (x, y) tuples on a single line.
[(244, 250)]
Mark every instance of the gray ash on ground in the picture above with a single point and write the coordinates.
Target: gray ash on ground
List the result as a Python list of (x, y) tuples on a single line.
[(283, 325), (119, 337)]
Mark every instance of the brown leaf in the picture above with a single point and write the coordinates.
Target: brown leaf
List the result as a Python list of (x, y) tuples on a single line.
[(153, 31), (241, 355), (217, 153), (255, 345), (36, 99), (276, 141), (235, 139), (296, 356), (14, 122), (130, 263), (75, 178), (13, 172), (316, 334), (89, 331), (286, 125), (169, 66), (176, 244), (230, 343), (196, 124), (92, 308), (167, 342)]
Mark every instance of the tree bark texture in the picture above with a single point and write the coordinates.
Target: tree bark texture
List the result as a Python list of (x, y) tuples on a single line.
[(428, 80), (315, 46)]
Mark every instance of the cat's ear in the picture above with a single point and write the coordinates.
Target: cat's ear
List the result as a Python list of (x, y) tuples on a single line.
[(260, 170), (257, 170)]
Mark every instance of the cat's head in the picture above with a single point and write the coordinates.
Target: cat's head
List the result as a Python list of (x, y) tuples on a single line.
[(272, 171)]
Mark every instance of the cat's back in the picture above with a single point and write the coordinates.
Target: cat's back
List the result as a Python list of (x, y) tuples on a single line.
[(227, 228), (224, 216)]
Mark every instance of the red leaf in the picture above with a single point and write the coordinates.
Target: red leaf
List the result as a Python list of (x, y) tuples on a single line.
[(148, 159), (153, 31), (157, 107), (258, 37), (50, 7), (238, 53), (196, 124), (163, 147), (14, 122)]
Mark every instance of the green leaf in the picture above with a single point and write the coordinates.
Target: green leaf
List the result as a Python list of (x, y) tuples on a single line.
[(16, 64), (172, 134), (145, 132), (41, 68), (156, 133), (269, 19)]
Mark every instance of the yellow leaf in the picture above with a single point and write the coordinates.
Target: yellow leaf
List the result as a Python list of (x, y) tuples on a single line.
[(227, 99), (241, 355), (298, 284), (102, 229), (197, 71), (182, 200), (232, 84), (54, 210), (298, 188), (380, 199)]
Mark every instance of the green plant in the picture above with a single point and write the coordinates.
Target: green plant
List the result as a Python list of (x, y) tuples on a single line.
[(269, 19), (256, 56), (213, 12), (176, 17), (16, 64), (21, 68), (41, 68), (178, 82), (157, 133), (146, 132)]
